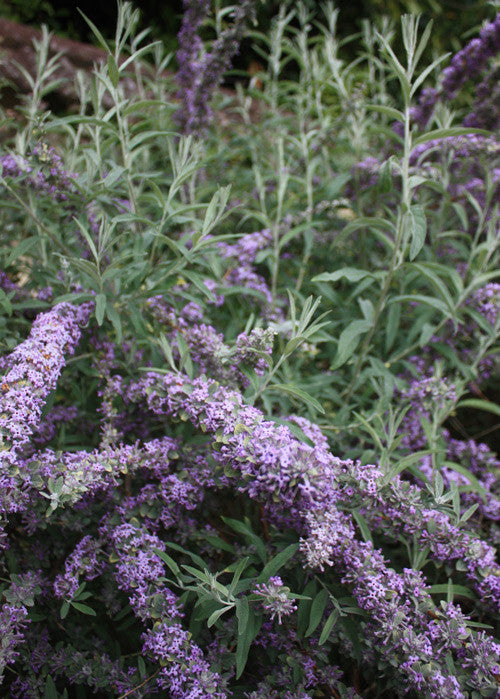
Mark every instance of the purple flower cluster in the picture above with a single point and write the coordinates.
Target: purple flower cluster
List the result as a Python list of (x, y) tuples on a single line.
[(485, 113), (276, 598), (34, 367), (471, 61), (486, 301), (207, 347), (200, 73), (465, 65), (13, 615), (185, 673), (82, 561), (299, 485), (43, 171), (139, 570)]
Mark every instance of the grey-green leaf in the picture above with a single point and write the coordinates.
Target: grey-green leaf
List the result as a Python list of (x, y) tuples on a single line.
[(348, 341), (327, 628), (418, 228), (272, 567), (350, 273), (317, 609), (100, 308), (242, 612)]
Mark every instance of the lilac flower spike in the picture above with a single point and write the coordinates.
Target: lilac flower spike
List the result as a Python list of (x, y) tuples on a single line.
[(34, 368), (201, 73), (465, 65), (275, 598), (300, 486)]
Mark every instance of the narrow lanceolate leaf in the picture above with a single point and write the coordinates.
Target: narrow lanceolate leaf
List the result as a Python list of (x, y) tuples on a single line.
[(327, 628), (217, 614), (421, 298), (362, 524), (480, 405), (272, 567), (169, 561), (100, 308), (350, 273), (293, 390), (83, 608), (348, 341), (455, 589), (417, 224), (244, 641), (50, 689), (64, 610), (317, 609), (445, 133), (114, 74), (242, 612)]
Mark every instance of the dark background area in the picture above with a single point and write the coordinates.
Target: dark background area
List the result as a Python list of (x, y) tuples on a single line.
[(454, 20)]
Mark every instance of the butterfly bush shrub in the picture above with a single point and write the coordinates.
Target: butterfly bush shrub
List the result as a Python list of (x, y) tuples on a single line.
[(249, 368)]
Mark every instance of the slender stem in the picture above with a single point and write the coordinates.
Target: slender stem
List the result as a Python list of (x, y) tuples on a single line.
[(309, 194), (134, 689), (35, 218), (269, 376), (398, 253)]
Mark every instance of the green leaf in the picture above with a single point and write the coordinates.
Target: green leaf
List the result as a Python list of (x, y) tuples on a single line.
[(100, 308), (445, 133), (242, 612), (368, 222), (430, 271), (245, 529), (327, 628), (5, 302), (317, 609), (169, 561), (64, 610), (194, 557), (114, 74), (363, 526), (388, 111), (403, 464), (468, 513), (350, 273), (293, 390), (95, 31), (475, 485), (420, 298), (21, 249), (199, 574), (244, 641), (238, 570), (304, 608), (219, 543), (392, 326), (272, 567), (398, 69), (352, 630), (50, 691), (83, 608), (217, 614), (141, 666), (348, 341), (417, 225), (480, 405), (459, 590)]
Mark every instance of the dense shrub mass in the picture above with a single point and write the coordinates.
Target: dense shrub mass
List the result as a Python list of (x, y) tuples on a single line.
[(249, 349)]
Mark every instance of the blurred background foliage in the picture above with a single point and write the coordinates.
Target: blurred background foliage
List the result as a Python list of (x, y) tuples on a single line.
[(454, 20)]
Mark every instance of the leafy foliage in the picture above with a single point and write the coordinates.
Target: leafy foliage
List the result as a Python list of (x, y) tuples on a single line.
[(233, 364)]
